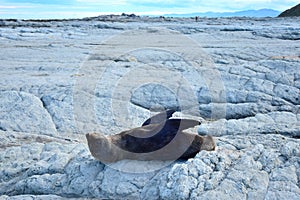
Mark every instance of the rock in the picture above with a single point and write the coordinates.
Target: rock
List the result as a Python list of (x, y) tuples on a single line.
[(285, 174), (32, 197), (284, 123), (23, 112), (158, 96), (59, 105), (292, 12), (238, 76), (69, 170), (290, 149), (279, 194), (227, 190)]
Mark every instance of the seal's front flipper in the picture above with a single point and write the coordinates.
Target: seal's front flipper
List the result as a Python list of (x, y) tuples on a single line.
[(174, 125), (159, 118)]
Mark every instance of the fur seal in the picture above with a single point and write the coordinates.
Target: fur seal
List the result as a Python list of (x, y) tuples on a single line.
[(159, 138)]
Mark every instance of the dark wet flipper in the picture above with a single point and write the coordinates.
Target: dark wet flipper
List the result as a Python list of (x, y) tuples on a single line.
[(180, 124), (160, 117)]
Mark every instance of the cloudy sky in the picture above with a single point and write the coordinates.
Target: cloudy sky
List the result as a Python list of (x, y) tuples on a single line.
[(83, 8)]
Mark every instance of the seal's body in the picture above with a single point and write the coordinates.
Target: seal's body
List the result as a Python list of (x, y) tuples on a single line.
[(159, 138)]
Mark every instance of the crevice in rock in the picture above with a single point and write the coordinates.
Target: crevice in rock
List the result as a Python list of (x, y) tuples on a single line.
[(282, 133), (296, 137), (45, 107), (287, 134), (268, 187), (240, 117)]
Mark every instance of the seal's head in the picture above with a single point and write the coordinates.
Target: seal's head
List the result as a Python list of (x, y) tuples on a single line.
[(98, 145), (95, 140), (102, 148)]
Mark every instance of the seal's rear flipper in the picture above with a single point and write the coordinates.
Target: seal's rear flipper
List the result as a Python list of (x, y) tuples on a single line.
[(159, 118)]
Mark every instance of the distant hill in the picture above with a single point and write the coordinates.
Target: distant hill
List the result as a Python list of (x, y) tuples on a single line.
[(246, 13), (293, 12)]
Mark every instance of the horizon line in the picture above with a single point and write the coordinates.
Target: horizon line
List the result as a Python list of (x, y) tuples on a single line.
[(81, 15)]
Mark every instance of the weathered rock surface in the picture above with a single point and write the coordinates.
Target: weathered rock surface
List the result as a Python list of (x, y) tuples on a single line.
[(62, 79), (252, 166), (23, 112)]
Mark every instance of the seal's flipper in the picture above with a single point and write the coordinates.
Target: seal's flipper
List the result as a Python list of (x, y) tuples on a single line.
[(159, 118), (193, 148), (175, 125), (153, 137)]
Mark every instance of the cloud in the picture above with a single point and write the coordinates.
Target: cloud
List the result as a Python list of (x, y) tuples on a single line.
[(7, 7), (217, 5), (47, 2), (102, 1), (57, 8), (226, 5), (162, 3), (272, 4)]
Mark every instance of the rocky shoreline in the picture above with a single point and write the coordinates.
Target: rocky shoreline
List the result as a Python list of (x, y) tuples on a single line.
[(62, 79)]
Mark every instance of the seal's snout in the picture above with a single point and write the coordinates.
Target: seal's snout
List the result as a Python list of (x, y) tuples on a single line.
[(89, 139), (90, 136)]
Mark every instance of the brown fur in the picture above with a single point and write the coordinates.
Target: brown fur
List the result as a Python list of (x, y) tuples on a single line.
[(115, 147), (159, 138)]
